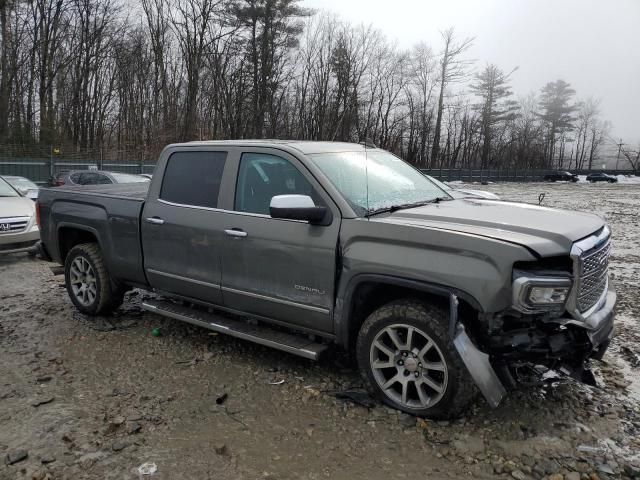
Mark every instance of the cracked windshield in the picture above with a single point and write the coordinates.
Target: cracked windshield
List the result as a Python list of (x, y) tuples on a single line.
[(376, 181)]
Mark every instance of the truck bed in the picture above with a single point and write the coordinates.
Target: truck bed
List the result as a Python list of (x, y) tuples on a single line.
[(107, 214)]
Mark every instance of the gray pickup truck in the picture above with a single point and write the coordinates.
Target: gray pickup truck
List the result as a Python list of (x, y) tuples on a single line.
[(298, 245)]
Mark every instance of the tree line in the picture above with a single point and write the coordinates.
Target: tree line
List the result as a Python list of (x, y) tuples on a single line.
[(109, 74)]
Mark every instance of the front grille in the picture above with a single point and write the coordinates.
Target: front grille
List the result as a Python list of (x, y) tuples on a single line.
[(593, 276), (13, 224)]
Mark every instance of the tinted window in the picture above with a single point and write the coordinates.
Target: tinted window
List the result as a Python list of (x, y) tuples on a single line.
[(92, 179), (193, 178), (75, 177), (262, 176), (102, 179)]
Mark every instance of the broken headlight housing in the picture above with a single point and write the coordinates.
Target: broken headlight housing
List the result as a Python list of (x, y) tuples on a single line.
[(540, 294)]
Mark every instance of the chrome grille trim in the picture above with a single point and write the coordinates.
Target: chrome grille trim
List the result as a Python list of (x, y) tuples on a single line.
[(592, 277), (16, 224), (591, 274)]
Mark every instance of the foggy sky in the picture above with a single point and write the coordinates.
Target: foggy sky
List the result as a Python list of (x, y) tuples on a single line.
[(592, 44)]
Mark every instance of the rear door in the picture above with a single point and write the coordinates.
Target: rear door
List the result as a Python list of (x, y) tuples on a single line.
[(280, 269), (182, 227)]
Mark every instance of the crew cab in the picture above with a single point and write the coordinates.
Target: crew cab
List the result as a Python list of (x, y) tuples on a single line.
[(300, 245)]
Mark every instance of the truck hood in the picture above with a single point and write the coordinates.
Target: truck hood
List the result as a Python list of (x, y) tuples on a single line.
[(16, 207), (547, 231)]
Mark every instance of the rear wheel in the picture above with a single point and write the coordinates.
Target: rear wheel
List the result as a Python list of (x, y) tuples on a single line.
[(408, 360), (88, 282)]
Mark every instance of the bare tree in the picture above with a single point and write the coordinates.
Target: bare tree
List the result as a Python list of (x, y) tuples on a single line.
[(453, 68), (632, 155)]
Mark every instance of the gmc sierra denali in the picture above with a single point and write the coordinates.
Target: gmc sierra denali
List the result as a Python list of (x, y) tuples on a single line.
[(297, 245)]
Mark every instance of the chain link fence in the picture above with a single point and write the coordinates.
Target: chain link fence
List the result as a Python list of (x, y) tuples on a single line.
[(38, 162)]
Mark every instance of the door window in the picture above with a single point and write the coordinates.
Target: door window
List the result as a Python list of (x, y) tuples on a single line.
[(88, 179), (193, 178), (262, 176), (102, 179)]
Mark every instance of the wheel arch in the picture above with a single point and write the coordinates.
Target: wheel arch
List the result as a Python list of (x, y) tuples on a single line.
[(70, 234), (364, 293)]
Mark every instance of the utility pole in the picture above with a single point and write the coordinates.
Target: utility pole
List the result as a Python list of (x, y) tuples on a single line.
[(619, 148)]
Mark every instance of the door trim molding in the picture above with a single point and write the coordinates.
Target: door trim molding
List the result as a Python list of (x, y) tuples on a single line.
[(277, 300), (325, 311), (179, 277)]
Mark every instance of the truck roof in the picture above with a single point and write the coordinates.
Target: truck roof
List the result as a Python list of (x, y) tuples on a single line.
[(303, 146)]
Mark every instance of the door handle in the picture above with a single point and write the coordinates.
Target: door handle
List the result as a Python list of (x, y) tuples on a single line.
[(235, 233), (154, 220)]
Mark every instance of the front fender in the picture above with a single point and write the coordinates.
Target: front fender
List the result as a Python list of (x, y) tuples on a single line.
[(476, 269)]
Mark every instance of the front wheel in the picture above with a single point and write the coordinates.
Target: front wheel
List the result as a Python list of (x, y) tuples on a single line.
[(408, 360), (88, 282)]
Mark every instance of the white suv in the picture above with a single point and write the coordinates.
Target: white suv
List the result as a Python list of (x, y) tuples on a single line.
[(18, 226)]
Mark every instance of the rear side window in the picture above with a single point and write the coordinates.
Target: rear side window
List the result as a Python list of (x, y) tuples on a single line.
[(102, 179), (75, 177), (193, 178)]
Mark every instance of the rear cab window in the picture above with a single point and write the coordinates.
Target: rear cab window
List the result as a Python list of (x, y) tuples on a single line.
[(193, 178)]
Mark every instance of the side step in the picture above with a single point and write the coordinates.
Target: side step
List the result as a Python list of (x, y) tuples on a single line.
[(296, 344)]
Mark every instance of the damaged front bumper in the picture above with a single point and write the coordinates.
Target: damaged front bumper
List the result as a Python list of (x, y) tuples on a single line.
[(565, 344)]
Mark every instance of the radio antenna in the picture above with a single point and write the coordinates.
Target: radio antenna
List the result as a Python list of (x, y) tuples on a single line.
[(367, 144)]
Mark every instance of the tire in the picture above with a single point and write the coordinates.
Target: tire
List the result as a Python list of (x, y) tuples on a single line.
[(88, 283), (444, 391)]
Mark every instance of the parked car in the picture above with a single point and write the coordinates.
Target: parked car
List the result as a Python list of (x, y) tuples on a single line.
[(25, 186), (601, 177), (319, 242), (561, 177), (94, 177), (463, 192), (18, 227)]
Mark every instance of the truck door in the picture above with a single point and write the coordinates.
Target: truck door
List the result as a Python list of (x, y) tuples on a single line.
[(182, 228), (281, 269)]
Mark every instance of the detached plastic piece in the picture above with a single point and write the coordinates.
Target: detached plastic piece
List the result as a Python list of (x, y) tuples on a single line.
[(479, 367)]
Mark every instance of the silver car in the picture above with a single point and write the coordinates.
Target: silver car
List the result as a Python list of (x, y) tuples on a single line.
[(19, 230), (25, 186)]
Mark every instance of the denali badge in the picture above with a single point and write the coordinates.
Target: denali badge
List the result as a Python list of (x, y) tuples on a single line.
[(304, 288)]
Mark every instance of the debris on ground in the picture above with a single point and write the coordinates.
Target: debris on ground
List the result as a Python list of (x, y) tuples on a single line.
[(122, 399)]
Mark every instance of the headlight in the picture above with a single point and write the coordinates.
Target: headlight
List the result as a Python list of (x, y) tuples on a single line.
[(547, 295), (535, 294)]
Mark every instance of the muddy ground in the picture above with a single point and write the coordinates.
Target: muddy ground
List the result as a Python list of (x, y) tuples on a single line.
[(96, 398)]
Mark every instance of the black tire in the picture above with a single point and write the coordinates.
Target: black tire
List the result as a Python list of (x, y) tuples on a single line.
[(458, 388), (106, 297)]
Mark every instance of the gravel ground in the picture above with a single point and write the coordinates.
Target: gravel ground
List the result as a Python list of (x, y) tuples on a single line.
[(88, 398)]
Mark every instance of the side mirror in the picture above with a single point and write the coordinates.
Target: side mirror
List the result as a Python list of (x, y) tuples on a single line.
[(296, 207)]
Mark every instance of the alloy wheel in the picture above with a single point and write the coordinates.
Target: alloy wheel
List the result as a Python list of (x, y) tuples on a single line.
[(83, 281), (408, 366)]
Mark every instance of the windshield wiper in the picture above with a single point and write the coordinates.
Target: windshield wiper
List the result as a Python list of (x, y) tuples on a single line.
[(402, 206)]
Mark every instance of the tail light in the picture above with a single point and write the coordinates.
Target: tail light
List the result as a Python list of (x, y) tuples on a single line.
[(38, 213)]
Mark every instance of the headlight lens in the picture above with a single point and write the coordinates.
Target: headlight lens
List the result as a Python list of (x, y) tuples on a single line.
[(548, 295), (536, 293)]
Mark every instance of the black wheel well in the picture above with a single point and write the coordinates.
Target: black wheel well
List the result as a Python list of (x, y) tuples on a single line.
[(368, 296), (69, 237)]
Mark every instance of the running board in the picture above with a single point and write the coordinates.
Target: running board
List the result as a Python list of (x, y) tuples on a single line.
[(296, 344)]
